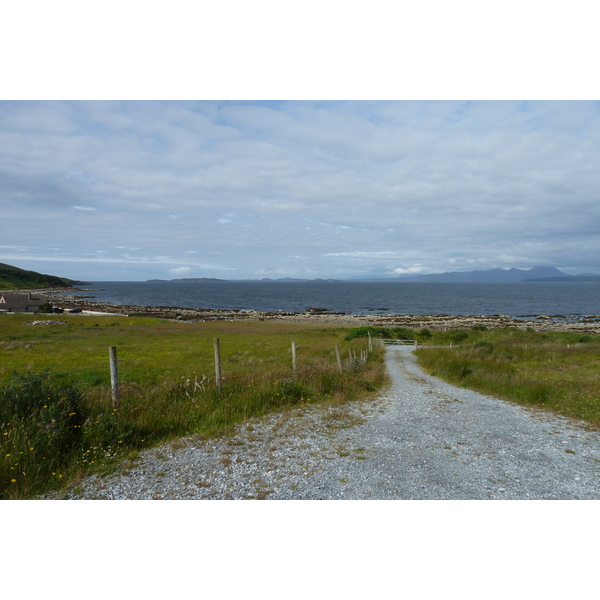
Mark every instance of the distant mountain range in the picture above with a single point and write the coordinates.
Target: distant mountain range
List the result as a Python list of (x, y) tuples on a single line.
[(491, 276), (12, 278), (536, 274)]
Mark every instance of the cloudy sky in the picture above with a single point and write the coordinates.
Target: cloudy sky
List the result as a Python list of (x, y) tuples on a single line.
[(132, 190), (111, 184)]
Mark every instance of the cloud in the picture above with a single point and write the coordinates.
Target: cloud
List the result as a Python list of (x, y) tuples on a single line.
[(409, 271), (180, 271), (353, 188)]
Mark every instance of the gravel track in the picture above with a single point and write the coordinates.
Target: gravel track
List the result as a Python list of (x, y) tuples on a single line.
[(422, 439)]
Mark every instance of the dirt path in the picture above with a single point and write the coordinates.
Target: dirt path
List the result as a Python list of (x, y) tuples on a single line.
[(423, 439)]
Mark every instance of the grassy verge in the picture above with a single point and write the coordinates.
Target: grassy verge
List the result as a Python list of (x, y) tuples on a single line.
[(558, 371), (57, 422)]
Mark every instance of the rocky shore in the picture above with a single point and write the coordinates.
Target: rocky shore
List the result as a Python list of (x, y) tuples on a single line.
[(590, 324)]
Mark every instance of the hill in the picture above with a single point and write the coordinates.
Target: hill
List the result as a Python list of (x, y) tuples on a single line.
[(13, 278)]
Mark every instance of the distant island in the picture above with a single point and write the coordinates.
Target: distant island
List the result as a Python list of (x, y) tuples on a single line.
[(13, 278), (266, 279), (536, 274), (187, 279)]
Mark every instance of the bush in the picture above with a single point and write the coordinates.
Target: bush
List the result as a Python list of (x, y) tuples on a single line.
[(458, 336), (486, 347), (45, 307), (403, 333)]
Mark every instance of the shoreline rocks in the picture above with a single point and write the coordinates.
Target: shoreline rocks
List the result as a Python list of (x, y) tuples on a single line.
[(589, 324)]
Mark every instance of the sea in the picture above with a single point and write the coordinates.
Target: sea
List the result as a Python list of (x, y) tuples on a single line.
[(560, 301)]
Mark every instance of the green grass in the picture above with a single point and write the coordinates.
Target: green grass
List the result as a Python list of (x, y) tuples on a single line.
[(57, 422), (556, 371), (14, 278)]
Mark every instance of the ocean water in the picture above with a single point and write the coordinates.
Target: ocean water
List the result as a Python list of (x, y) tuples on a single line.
[(568, 300)]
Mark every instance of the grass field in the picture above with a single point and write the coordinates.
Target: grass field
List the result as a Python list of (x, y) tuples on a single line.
[(57, 421), (558, 371)]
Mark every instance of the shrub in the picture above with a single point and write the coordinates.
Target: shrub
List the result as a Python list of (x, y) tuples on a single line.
[(45, 307), (403, 333), (486, 347), (458, 336)]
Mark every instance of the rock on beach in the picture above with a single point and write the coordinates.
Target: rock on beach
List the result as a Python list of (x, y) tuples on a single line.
[(440, 322)]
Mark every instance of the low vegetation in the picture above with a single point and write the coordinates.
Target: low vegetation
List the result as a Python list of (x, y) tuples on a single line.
[(58, 423), (557, 371), (390, 333), (57, 420), (13, 278)]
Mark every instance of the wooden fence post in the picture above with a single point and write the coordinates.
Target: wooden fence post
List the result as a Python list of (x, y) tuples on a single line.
[(294, 359), (338, 356), (218, 364), (370, 342), (114, 376)]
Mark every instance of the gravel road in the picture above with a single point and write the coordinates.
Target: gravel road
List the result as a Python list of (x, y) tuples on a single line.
[(422, 439)]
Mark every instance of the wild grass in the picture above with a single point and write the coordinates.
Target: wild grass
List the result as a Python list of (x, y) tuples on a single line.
[(57, 421), (555, 371)]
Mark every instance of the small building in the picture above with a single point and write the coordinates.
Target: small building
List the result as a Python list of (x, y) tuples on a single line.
[(20, 302)]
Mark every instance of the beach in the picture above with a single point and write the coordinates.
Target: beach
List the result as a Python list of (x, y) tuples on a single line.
[(67, 300)]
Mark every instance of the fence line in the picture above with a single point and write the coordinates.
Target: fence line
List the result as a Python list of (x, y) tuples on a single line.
[(114, 366), (388, 342)]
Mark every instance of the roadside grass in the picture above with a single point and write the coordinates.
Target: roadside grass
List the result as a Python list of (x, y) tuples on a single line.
[(57, 422), (555, 371)]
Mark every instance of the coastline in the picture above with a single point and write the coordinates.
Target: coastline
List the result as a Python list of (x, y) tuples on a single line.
[(68, 299)]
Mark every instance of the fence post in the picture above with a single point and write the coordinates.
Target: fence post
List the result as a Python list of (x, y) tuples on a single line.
[(338, 356), (370, 342), (218, 364), (294, 359), (114, 376)]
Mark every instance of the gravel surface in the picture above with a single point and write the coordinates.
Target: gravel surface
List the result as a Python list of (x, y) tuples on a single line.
[(422, 439)]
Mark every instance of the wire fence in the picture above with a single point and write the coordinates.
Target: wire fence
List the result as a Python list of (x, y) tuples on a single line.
[(116, 371)]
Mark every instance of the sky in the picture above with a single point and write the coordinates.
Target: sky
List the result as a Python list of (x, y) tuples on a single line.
[(321, 143), (134, 190)]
